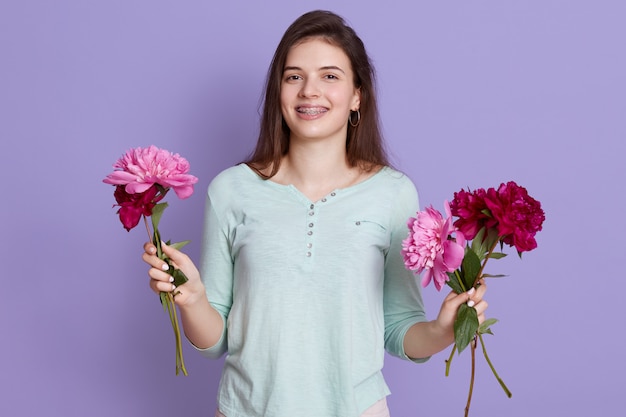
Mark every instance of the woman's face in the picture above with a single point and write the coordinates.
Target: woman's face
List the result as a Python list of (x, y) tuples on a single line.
[(317, 91)]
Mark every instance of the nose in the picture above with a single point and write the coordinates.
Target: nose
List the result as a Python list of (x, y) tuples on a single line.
[(310, 88)]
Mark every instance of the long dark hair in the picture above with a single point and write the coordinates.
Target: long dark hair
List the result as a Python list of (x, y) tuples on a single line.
[(364, 143)]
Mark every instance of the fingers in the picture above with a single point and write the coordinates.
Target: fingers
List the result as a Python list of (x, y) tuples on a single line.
[(178, 258), (149, 257), (480, 310), (475, 299), (149, 248), (452, 302), (475, 294), (455, 300), (161, 284), (160, 280)]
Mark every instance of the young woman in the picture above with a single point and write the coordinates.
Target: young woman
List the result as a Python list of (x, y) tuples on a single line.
[(302, 280)]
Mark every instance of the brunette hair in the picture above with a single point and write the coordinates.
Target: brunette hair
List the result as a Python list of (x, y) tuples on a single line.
[(364, 143)]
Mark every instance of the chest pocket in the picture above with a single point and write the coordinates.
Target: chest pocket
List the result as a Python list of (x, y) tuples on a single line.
[(372, 232)]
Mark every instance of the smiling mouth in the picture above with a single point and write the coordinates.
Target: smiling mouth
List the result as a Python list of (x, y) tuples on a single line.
[(311, 111)]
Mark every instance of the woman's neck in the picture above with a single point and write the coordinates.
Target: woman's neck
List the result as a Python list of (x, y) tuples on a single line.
[(316, 169)]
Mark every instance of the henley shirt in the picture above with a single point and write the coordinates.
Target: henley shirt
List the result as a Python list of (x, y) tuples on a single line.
[(312, 292)]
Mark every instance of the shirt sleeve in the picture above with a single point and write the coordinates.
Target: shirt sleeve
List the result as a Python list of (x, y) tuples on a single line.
[(402, 298), (216, 264)]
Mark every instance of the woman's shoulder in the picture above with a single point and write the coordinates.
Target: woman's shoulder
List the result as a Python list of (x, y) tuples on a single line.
[(395, 188), (395, 179), (233, 178), (233, 187)]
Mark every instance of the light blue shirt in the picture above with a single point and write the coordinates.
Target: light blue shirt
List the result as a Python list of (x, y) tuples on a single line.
[(312, 292)]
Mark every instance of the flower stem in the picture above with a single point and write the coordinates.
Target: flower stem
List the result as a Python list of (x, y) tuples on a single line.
[(449, 361), (458, 278), (145, 221), (167, 299), (171, 307), (473, 373), (482, 267), (500, 381)]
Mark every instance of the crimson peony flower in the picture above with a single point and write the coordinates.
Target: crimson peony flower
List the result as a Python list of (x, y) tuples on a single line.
[(429, 247), (140, 168), (470, 208), (518, 215), (133, 206)]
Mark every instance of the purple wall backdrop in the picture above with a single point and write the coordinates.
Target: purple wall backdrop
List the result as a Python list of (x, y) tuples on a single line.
[(472, 94)]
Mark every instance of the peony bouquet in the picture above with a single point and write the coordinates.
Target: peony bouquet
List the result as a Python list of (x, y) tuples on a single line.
[(455, 252), (142, 177)]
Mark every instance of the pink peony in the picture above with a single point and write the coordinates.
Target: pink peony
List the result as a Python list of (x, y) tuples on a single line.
[(140, 168), (430, 248), (519, 216)]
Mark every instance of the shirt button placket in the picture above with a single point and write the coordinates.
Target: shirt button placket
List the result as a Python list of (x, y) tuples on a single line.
[(311, 218)]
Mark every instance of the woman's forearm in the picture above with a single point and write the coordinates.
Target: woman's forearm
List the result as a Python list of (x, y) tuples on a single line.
[(202, 324), (426, 338)]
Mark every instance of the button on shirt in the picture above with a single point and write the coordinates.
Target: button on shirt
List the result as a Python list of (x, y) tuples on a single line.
[(311, 292)]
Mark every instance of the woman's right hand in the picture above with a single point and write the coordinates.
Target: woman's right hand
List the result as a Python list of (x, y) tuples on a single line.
[(203, 325), (160, 281)]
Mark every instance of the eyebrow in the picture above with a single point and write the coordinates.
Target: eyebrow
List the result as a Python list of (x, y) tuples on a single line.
[(328, 67)]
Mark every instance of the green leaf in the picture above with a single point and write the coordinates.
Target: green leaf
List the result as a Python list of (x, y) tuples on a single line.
[(178, 275), (157, 212), (453, 282), (492, 237), (478, 246), (497, 255), (469, 269), (465, 326), (179, 245), (494, 275), (156, 241), (485, 326)]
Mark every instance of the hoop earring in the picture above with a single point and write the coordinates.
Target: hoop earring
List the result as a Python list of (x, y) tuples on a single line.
[(358, 118)]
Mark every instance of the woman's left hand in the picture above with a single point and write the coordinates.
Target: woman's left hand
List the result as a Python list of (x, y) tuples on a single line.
[(427, 338), (452, 302)]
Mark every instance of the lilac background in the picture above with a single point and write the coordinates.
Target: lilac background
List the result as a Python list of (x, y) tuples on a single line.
[(473, 93)]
